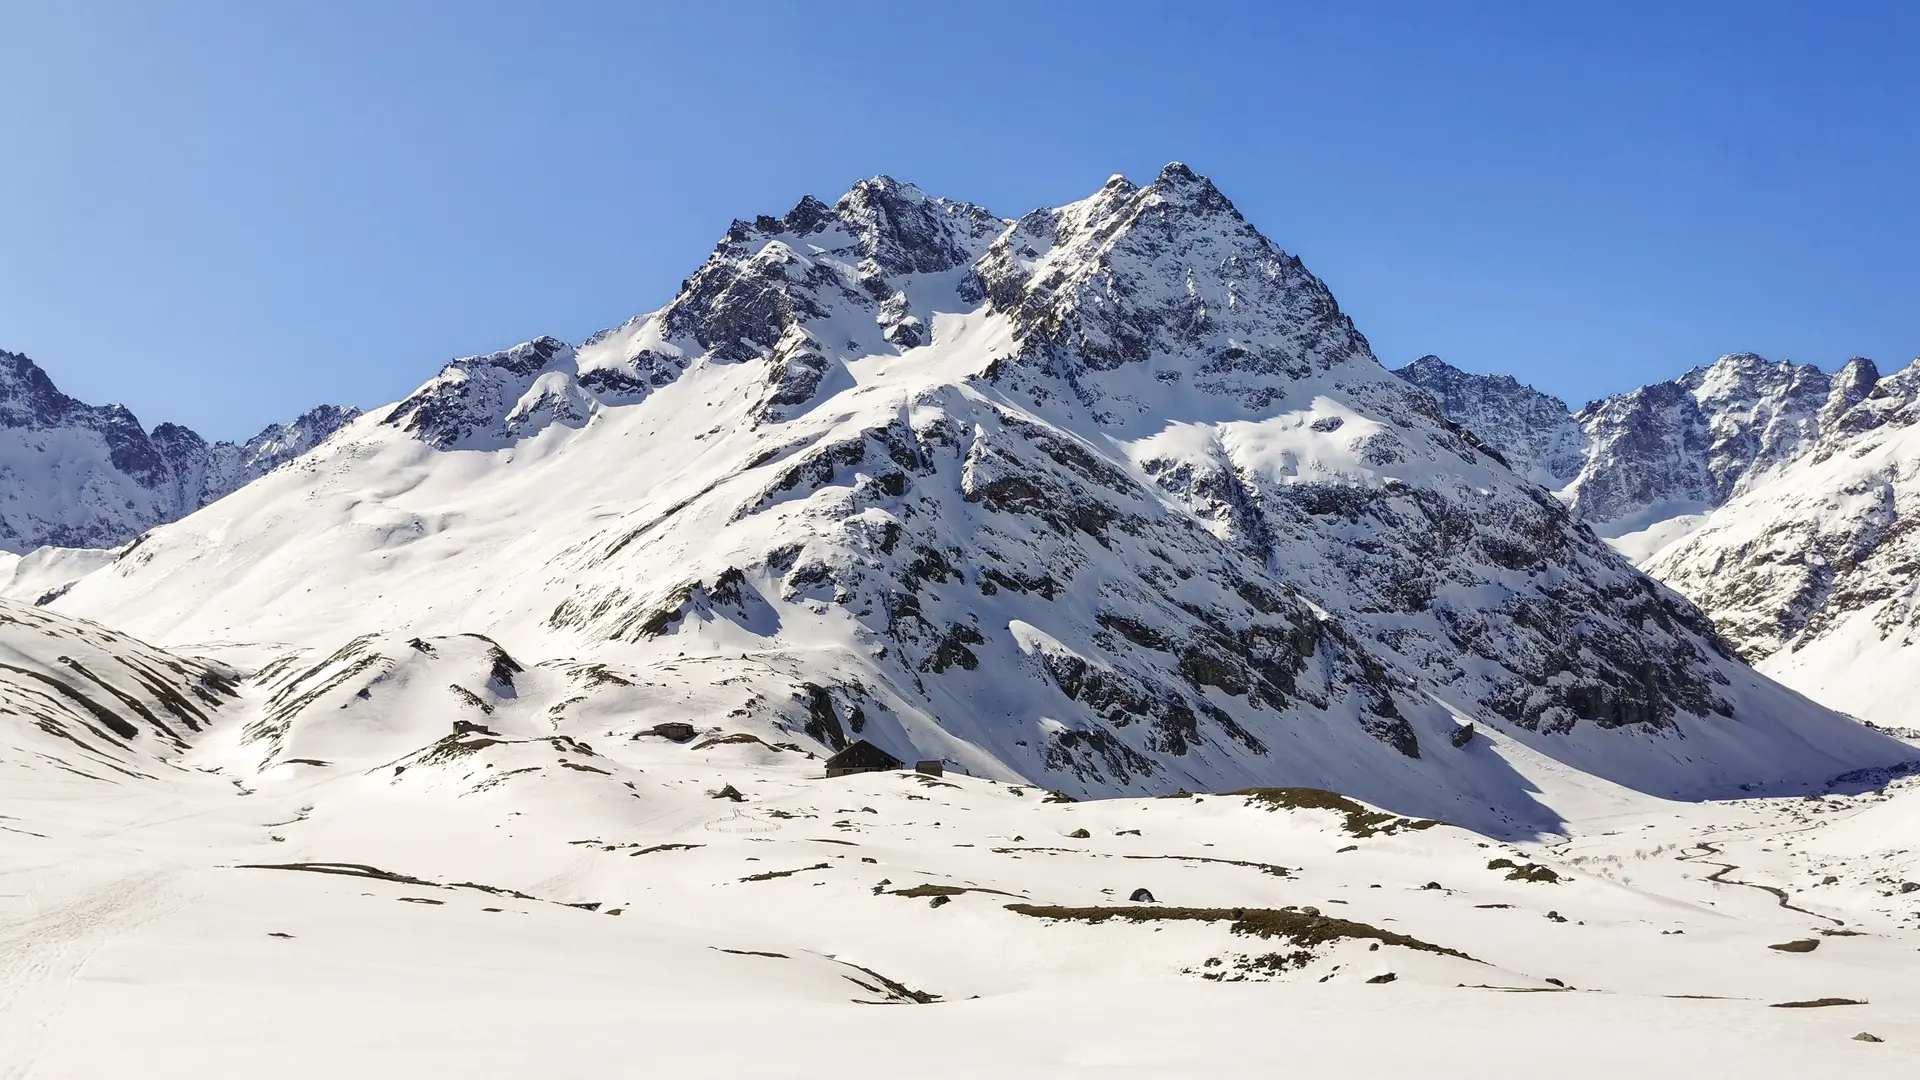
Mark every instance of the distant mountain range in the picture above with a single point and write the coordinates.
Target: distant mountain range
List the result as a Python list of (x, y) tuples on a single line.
[(1777, 496), (1772, 494), (91, 476)]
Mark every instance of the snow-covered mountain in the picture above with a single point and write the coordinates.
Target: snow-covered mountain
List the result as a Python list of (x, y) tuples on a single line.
[(1770, 494), (75, 475), (520, 687), (1810, 571), (1646, 466), (1685, 446), (1112, 497), (1535, 433)]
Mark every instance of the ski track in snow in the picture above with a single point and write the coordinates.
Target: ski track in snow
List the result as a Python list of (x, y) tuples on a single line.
[(42, 954)]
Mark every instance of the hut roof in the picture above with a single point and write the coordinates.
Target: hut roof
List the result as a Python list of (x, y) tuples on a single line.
[(864, 755)]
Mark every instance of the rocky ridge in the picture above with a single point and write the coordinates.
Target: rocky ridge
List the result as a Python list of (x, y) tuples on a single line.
[(1811, 571), (1535, 432), (1644, 466)]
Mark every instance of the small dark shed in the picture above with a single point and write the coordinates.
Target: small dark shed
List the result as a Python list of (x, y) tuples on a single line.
[(861, 757), (674, 730), (930, 768)]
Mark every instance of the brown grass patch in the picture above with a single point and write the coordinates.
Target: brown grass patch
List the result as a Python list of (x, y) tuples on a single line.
[(1359, 820), (1298, 927), (771, 874)]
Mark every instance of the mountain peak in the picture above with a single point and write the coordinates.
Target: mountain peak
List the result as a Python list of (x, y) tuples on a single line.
[(1430, 370), (1176, 176), (1858, 369), (1176, 172), (806, 216), (1178, 185), (1166, 282), (880, 186), (27, 395), (1441, 379), (1745, 373), (902, 230)]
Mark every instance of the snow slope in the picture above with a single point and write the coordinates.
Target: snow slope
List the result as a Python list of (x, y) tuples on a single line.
[(44, 573), (498, 870), (1112, 498), (79, 699)]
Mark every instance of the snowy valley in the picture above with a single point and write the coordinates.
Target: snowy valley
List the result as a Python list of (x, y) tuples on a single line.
[(361, 854), (487, 731)]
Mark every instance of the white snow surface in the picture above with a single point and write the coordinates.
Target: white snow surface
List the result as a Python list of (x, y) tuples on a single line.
[(497, 870), (46, 572)]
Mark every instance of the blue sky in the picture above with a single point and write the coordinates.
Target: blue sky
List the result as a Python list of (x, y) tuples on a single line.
[(220, 214)]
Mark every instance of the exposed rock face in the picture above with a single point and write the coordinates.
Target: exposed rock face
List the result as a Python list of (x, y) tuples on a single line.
[(1535, 432), (79, 475), (1287, 434), (1112, 497), (1134, 276), (1696, 439), (1660, 449), (489, 399), (1647, 456)]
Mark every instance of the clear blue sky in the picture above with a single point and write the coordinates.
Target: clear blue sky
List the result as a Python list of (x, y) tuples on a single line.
[(220, 214)]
